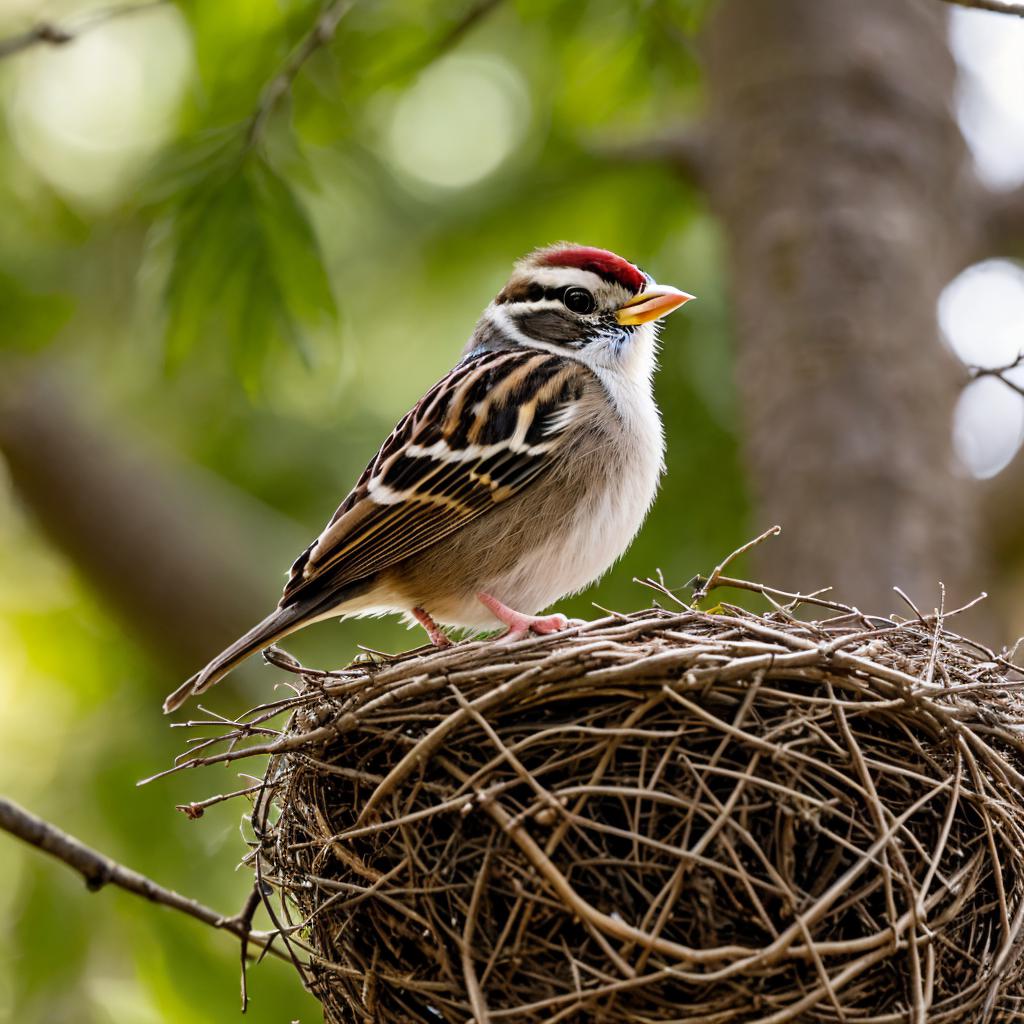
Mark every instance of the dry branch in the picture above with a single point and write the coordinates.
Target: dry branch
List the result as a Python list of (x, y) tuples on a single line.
[(48, 33), (99, 870), (1000, 373), (995, 6)]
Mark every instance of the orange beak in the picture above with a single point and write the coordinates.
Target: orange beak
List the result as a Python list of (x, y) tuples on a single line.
[(652, 304)]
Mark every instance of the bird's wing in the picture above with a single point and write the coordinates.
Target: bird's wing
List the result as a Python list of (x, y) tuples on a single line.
[(477, 438)]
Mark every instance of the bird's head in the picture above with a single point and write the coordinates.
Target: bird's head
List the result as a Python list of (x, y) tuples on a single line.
[(581, 302)]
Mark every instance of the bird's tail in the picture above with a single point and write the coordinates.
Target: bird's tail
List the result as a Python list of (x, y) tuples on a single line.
[(276, 625)]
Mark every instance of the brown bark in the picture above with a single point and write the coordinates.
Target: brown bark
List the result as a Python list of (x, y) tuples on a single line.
[(1000, 224), (837, 170)]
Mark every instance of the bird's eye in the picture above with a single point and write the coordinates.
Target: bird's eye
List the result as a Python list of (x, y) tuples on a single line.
[(579, 300)]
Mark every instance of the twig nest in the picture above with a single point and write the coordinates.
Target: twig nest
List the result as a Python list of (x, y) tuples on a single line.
[(662, 817)]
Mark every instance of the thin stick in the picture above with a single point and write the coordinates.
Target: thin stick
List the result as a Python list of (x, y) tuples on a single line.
[(48, 33), (795, 598), (999, 372), (197, 808), (322, 32), (703, 586), (99, 870), (245, 916), (451, 37), (476, 995)]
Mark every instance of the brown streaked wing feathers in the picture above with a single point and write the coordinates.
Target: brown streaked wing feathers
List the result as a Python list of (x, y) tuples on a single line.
[(365, 537)]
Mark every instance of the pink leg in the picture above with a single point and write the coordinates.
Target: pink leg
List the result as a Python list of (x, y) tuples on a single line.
[(434, 631), (520, 625)]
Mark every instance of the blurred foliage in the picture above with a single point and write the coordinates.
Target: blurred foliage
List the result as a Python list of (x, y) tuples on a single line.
[(265, 306), (245, 265)]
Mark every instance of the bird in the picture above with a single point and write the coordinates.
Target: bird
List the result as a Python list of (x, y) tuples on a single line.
[(517, 479)]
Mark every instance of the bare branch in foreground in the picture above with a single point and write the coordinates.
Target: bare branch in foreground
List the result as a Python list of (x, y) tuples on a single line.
[(996, 6), (99, 870), (1000, 372), (48, 33)]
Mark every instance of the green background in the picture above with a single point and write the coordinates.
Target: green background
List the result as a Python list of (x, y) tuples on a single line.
[(261, 315)]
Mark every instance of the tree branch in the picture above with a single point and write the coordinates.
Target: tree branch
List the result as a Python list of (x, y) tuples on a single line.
[(319, 35), (50, 34), (1000, 372), (323, 31), (450, 37), (996, 6), (168, 546), (99, 870), (687, 151)]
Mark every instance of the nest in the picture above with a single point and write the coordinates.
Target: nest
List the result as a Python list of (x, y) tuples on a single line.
[(680, 816)]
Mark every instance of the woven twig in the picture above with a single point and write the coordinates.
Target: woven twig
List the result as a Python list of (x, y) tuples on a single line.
[(666, 816)]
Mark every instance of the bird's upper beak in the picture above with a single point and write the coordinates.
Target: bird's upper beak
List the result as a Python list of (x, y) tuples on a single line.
[(652, 304)]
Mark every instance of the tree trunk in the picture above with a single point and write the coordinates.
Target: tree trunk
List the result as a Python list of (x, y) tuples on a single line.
[(837, 167)]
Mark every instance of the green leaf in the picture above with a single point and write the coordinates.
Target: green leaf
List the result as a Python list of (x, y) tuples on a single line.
[(293, 246), (246, 268)]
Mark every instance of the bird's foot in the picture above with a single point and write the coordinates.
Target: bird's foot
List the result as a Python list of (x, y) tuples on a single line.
[(437, 635), (520, 625)]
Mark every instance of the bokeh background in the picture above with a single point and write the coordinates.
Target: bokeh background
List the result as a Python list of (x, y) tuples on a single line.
[(223, 277)]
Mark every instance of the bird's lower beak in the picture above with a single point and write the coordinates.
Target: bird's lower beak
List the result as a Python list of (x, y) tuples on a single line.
[(651, 305)]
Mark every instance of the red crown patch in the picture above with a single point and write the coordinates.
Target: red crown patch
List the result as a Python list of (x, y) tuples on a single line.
[(598, 261)]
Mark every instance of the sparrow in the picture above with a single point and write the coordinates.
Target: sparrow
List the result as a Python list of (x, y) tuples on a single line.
[(520, 477)]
